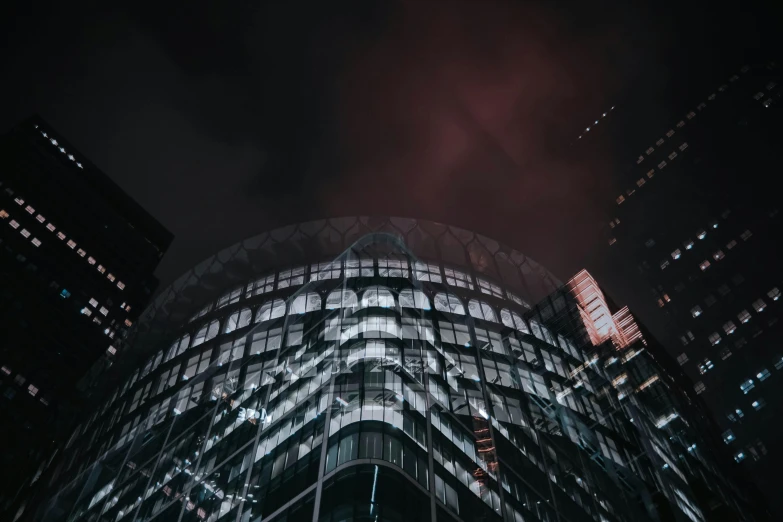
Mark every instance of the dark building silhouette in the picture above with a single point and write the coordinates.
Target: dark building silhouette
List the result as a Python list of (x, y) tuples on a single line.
[(76, 262), (385, 369), (696, 217)]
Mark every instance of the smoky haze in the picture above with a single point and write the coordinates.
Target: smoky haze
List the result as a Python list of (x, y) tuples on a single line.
[(224, 119)]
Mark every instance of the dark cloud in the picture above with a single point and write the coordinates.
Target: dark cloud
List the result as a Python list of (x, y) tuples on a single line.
[(227, 118)]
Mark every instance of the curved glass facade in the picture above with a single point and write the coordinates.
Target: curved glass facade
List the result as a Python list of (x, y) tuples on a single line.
[(380, 384)]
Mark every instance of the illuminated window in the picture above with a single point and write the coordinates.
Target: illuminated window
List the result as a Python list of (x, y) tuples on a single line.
[(758, 96), (449, 303), (659, 142), (393, 268), (704, 265), (717, 256), (321, 271), (104, 311), (489, 288), (682, 358), (640, 182), (30, 210), (739, 457), (359, 267), (304, 303), (71, 243), (728, 436), (229, 298), (457, 278), (701, 106), (681, 124), (128, 323), (683, 146), (427, 272), (779, 363), (242, 318), (81, 252), (746, 235), (40, 218), (4, 214), (664, 264), (620, 199), (410, 298), (13, 224), (731, 244), (701, 234), (612, 241), (774, 294), (696, 311), (661, 165), (705, 366), (24, 232), (91, 260), (746, 386), (688, 245), (272, 310), (101, 269), (377, 296), (481, 310), (86, 311), (120, 285), (60, 236), (650, 151), (676, 254), (110, 277), (690, 115), (32, 390), (699, 388), (758, 404), (6, 370), (759, 305), (729, 327), (36, 242), (111, 350), (291, 277), (714, 338), (672, 156), (93, 302), (763, 375), (651, 173), (19, 201), (670, 133)]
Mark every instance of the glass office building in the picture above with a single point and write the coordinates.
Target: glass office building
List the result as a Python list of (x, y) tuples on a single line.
[(378, 369)]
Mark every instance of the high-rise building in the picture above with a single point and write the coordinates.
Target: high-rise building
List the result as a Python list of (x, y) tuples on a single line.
[(696, 217), (384, 369), (76, 262)]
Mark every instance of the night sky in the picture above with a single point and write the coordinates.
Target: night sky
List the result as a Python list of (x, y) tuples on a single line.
[(224, 119)]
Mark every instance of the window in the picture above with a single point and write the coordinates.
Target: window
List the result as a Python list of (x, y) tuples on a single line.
[(377, 296), (120, 285), (104, 311), (6, 370), (672, 156), (744, 316), (774, 294), (724, 290), (481, 310), (449, 303), (739, 457), (454, 333), (705, 366), (763, 375), (699, 388), (20, 380), (393, 268), (651, 173), (412, 298), (714, 338), (701, 234), (759, 305), (292, 277), (32, 390), (342, 299), (729, 327), (747, 385), (649, 243), (725, 353), (659, 142), (238, 320), (260, 286), (266, 341), (30, 210), (321, 271), (758, 404), (696, 311), (60, 236), (513, 320), (81, 252), (35, 241), (670, 133), (271, 310), (24, 232), (489, 288), (779, 363), (51, 227), (620, 199), (91, 260), (640, 182), (717, 256), (681, 124), (71, 243), (704, 265), (682, 358), (229, 298), (683, 146), (676, 254), (427, 272), (518, 300), (746, 235), (661, 165), (304, 303), (101, 269), (688, 245), (359, 267), (13, 224), (650, 151)]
